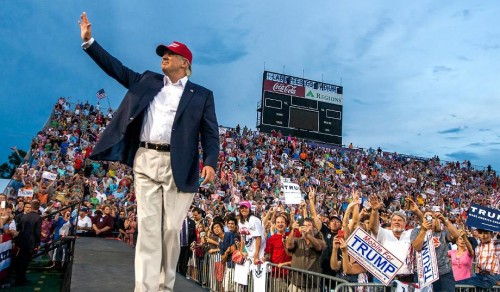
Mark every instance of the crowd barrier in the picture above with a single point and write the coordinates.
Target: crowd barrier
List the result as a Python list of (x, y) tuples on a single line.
[(211, 273)]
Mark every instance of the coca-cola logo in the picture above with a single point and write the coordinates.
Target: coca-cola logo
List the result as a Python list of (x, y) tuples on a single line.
[(285, 88)]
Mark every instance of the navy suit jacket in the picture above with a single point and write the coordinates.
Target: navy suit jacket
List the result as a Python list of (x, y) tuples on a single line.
[(194, 121)]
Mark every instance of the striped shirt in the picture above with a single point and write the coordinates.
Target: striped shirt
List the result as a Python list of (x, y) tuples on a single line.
[(487, 258)]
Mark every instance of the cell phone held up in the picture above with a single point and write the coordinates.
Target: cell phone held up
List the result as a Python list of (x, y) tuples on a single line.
[(341, 233), (300, 220)]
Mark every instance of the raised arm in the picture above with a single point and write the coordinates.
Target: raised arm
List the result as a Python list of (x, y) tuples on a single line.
[(109, 64), (453, 231), (418, 242), (414, 209), (334, 259), (314, 214), (375, 205)]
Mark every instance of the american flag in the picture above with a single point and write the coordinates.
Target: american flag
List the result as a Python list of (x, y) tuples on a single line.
[(101, 93)]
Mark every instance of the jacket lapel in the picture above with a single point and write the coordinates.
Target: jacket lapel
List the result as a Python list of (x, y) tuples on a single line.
[(185, 99), (151, 92)]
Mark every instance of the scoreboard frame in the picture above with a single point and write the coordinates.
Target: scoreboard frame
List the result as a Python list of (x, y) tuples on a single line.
[(286, 101)]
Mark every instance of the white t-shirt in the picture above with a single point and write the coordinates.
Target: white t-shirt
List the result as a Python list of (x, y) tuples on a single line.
[(249, 230), (85, 222), (399, 247)]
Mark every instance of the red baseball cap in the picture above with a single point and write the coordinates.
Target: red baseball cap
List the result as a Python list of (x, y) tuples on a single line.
[(177, 48)]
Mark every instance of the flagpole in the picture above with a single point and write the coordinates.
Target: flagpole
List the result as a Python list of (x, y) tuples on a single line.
[(109, 104)]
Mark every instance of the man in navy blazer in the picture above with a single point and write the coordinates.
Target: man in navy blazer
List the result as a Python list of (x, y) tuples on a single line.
[(157, 130)]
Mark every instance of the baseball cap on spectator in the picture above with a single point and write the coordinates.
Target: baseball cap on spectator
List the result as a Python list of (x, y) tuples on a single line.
[(84, 209), (176, 48), (335, 217), (245, 204)]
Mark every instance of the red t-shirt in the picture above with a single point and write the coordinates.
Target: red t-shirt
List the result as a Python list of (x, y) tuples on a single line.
[(275, 246)]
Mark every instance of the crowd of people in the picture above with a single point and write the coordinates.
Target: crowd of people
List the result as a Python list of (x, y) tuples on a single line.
[(243, 215)]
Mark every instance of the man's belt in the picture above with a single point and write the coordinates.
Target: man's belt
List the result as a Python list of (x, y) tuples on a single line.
[(157, 147)]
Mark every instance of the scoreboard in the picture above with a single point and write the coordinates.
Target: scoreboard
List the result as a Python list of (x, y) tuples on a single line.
[(300, 107)]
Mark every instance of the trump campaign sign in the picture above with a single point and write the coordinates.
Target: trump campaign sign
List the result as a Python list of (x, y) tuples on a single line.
[(375, 258), (483, 218), (292, 193), (427, 267)]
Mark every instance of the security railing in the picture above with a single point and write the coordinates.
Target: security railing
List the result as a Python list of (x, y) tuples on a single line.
[(211, 273)]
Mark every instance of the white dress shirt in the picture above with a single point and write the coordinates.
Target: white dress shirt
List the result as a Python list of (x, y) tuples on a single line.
[(160, 114), (159, 117)]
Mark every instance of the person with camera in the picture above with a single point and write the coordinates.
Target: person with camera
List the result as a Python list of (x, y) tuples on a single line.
[(306, 253), (431, 222)]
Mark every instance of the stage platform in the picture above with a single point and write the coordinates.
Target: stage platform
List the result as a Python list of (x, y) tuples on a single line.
[(108, 265)]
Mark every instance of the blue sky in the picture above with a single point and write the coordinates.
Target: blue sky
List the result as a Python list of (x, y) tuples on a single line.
[(419, 77)]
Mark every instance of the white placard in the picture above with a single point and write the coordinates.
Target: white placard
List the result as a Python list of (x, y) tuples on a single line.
[(430, 191), (427, 267), (412, 180), (375, 258), (292, 193), (49, 175), (25, 193), (386, 177)]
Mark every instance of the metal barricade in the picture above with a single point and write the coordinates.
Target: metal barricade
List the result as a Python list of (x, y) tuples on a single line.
[(211, 273), (368, 287), (470, 288)]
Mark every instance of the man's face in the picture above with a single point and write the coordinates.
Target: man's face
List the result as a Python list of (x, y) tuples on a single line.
[(107, 210), (172, 63), (231, 225), (485, 236), (27, 208), (308, 225), (397, 224), (280, 223), (334, 225), (196, 216)]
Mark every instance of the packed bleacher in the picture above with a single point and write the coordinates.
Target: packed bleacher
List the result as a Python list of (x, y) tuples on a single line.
[(242, 218)]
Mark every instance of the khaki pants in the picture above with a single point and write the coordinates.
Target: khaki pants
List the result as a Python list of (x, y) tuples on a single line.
[(161, 208)]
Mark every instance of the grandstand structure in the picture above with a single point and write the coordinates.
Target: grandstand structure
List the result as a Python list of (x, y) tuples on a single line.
[(254, 161)]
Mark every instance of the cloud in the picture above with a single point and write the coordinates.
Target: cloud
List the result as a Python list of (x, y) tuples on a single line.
[(463, 155), (481, 144), (451, 131), (441, 69)]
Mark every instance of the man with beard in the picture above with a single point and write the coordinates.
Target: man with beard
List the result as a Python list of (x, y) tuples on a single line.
[(396, 238)]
